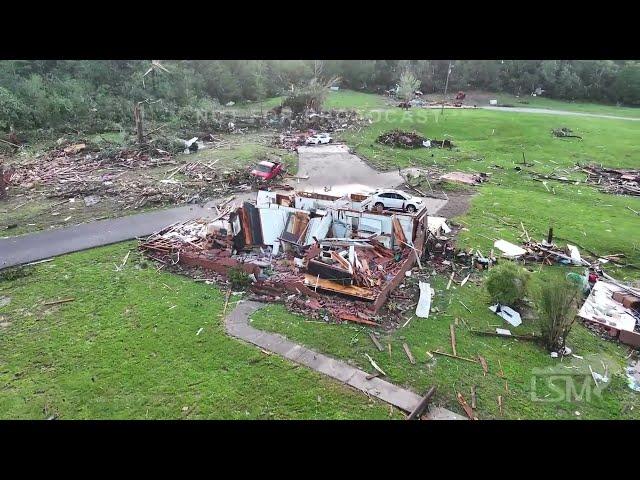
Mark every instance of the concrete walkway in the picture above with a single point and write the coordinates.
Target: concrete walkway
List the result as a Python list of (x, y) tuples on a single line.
[(237, 325)]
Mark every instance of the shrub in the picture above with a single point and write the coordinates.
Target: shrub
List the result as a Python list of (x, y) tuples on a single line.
[(557, 311), (507, 284), (238, 278)]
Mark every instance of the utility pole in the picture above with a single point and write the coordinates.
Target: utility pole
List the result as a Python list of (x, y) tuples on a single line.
[(446, 85)]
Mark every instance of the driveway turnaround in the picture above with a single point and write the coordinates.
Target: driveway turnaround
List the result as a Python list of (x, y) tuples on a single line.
[(237, 325), (38, 246), (333, 170)]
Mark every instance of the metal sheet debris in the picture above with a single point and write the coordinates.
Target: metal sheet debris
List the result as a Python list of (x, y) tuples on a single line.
[(509, 314)]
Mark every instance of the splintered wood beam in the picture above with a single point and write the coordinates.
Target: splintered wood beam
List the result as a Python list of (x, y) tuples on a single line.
[(455, 356), (408, 352), (376, 342), (452, 329)]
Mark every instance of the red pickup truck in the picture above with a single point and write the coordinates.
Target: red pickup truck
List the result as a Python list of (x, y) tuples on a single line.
[(267, 170)]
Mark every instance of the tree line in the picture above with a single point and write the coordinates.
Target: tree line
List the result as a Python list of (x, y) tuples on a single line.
[(99, 94)]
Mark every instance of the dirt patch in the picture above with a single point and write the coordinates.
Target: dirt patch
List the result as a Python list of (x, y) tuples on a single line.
[(457, 205)]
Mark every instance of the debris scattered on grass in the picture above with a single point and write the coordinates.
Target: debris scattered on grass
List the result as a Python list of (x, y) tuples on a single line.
[(564, 132)]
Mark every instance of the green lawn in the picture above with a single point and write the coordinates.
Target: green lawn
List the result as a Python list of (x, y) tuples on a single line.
[(597, 221), (127, 348), (485, 139), (342, 99)]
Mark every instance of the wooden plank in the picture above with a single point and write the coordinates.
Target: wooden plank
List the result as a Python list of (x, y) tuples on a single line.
[(353, 318), (398, 233), (454, 356), (452, 330), (56, 302), (450, 280), (465, 406), (485, 367), (376, 342), (408, 352)]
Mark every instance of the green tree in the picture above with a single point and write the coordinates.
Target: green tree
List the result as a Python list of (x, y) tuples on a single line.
[(408, 85), (627, 84)]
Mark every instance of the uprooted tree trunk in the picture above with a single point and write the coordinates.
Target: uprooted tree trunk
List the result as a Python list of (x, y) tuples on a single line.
[(557, 309), (137, 116), (3, 186)]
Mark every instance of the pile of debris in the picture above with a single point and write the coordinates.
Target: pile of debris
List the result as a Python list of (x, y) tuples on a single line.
[(402, 139), (291, 141), (344, 259), (612, 310), (399, 138), (564, 132), (69, 165), (310, 123), (75, 171), (332, 121), (616, 181), (465, 178)]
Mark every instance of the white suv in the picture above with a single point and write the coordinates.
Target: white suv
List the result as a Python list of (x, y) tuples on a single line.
[(394, 200), (320, 138)]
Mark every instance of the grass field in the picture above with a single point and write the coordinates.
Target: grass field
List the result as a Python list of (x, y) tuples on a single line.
[(342, 99), (127, 347), (597, 221)]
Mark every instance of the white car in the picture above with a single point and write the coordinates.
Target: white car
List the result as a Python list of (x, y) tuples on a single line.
[(319, 139), (394, 200)]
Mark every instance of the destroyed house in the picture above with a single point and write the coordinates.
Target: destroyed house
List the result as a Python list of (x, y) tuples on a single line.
[(306, 243)]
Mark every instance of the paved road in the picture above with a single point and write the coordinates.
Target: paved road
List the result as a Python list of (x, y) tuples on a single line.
[(237, 325), (557, 112), (38, 246)]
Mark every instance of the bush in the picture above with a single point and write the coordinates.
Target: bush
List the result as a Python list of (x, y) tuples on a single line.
[(238, 278), (557, 310), (507, 284)]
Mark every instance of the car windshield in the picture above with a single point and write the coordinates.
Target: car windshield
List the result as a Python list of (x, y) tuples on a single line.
[(263, 168)]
